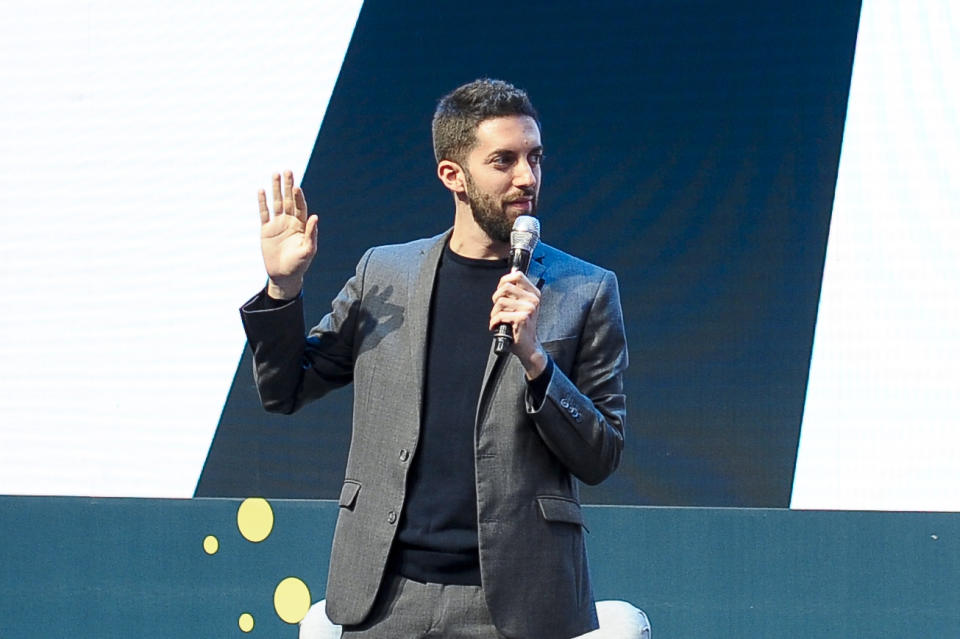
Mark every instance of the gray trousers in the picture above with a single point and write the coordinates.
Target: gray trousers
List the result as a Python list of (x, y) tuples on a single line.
[(414, 610)]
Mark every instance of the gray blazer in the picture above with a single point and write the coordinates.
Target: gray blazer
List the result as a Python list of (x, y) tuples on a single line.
[(533, 561)]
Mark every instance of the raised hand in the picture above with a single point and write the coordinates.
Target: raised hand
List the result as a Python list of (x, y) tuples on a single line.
[(288, 239)]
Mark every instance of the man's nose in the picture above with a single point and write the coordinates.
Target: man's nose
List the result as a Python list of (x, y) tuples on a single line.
[(524, 175)]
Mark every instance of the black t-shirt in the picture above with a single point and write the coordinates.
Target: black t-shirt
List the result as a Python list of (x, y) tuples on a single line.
[(437, 539)]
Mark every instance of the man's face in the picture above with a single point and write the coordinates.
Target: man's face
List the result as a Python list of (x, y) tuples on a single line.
[(502, 173)]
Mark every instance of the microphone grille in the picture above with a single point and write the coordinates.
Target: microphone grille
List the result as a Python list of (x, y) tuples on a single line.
[(526, 233)]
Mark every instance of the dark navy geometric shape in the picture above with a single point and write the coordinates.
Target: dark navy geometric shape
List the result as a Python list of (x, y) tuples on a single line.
[(692, 147)]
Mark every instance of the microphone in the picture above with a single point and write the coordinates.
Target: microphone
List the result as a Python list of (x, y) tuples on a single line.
[(523, 239)]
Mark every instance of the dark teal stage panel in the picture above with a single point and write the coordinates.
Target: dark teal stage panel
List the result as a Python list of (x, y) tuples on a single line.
[(148, 568), (781, 574), (105, 568)]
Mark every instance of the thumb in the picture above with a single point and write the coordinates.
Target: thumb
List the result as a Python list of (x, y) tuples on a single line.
[(310, 232)]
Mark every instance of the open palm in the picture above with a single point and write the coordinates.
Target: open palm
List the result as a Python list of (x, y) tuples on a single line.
[(288, 238)]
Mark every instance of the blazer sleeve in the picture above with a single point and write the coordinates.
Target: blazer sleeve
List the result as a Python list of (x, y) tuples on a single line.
[(581, 418), (290, 368)]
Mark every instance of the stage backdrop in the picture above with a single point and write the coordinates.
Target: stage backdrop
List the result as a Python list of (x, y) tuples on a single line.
[(771, 183)]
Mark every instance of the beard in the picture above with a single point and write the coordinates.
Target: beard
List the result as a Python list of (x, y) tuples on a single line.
[(490, 214)]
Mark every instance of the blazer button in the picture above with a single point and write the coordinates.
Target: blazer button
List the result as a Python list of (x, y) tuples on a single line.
[(565, 403), (404, 454), (392, 517)]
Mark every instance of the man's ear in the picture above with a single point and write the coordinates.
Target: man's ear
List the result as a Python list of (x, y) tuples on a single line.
[(451, 174)]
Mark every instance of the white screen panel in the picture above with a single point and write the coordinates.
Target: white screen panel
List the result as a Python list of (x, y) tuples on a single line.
[(880, 428), (134, 137)]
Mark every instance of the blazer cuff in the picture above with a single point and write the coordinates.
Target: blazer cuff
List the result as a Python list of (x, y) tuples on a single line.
[(537, 387), (263, 302), (264, 317)]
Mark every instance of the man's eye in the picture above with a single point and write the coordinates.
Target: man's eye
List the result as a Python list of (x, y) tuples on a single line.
[(536, 159)]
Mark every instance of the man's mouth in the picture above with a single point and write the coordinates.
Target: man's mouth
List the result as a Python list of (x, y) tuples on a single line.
[(524, 204)]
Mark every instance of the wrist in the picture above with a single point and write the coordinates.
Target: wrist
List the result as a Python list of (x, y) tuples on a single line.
[(283, 290), (536, 363)]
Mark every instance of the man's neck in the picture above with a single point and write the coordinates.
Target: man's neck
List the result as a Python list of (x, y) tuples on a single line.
[(469, 240)]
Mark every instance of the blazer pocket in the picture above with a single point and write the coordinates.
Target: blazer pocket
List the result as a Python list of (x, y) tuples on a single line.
[(561, 509), (348, 494)]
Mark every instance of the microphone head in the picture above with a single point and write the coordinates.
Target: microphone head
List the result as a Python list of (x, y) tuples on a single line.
[(525, 233)]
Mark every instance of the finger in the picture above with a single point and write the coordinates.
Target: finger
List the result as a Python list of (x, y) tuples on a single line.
[(505, 289), (515, 319), (516, 310), (288, 193), (264, 211), (277, 198), (509, 282), (506, 301), (516, 306), (529, 292), (512, 291), (496, 319), (520, 279), (300, 204), (496, 313), (513, 277), (310, 233)]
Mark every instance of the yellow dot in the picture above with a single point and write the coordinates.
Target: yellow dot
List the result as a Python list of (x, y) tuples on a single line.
[(292, 600), (255, 519), (245, 622), (211, 545)]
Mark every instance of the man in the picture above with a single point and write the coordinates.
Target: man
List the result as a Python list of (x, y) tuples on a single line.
[(459, 513)]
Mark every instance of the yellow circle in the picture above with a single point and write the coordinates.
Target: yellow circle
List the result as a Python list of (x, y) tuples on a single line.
[(255, 519), (245, 622), (211, 545), (291, 600)]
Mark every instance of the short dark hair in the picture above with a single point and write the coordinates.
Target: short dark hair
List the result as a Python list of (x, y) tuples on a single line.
[(460, 112)]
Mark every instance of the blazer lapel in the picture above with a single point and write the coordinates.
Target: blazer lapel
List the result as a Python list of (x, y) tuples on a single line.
[(537, 267), (420, 289)]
